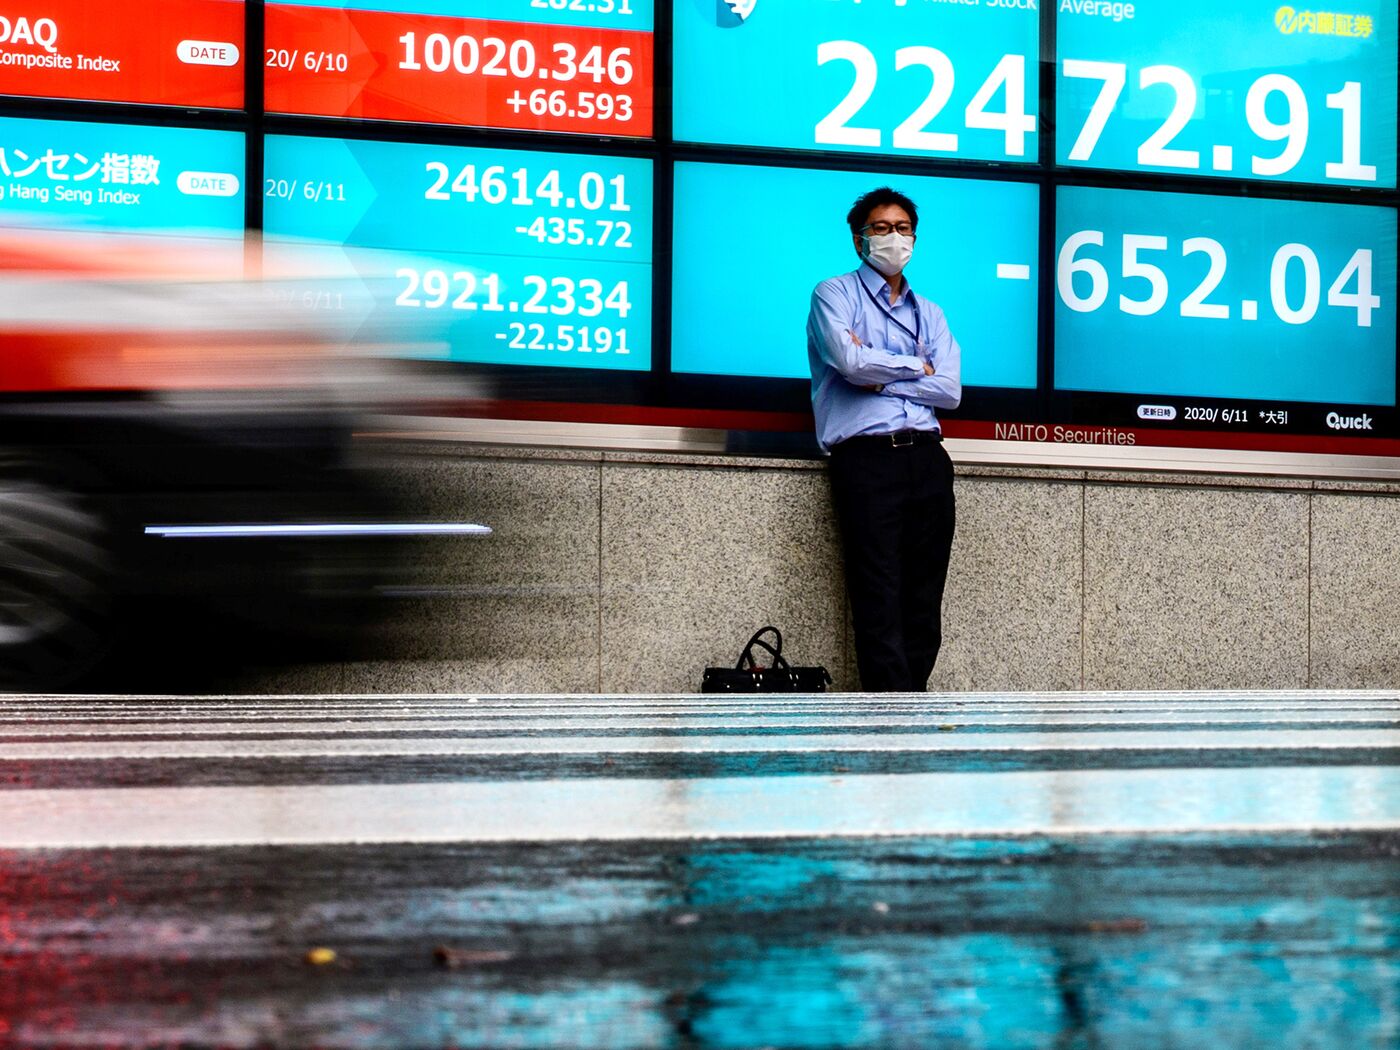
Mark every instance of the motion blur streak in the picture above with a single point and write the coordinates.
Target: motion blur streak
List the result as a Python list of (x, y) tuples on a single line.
[(223, 531), (144, 379)]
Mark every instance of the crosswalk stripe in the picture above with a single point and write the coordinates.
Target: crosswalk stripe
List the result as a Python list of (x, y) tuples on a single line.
[(10, 712), (1249, 739), (465, 725), (512, 768), (926, 701), (1080, 802)]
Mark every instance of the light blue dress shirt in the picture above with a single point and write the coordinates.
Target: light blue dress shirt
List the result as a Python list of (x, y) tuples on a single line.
[(888, 356)]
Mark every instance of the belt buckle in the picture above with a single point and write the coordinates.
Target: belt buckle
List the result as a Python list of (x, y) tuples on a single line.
[(907, 436)]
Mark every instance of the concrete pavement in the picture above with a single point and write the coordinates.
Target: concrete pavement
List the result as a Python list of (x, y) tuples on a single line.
[(1054, 870)]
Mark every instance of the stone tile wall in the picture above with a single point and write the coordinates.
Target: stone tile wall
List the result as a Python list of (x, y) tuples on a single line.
[(624, 573)]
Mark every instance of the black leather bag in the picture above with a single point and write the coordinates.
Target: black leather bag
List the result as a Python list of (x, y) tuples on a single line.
[(747, 676)]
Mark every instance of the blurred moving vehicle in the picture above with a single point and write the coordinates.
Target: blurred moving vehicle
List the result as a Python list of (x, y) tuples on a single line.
[(176, 461)]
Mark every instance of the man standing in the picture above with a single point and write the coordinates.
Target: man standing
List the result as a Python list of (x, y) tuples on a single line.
[(882, 360)]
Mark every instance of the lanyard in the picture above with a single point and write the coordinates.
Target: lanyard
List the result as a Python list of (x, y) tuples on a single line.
[(918, 329)]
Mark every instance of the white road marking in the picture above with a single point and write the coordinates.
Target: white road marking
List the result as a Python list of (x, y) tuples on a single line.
[(564, 719), (835, 743), (319, 706), (287, 531), (659, 722), (1194, 698), (1082, 802), (951, 803)]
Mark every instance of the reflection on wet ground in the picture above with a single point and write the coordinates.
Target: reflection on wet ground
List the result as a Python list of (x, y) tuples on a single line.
[(1280, 941), (1286, 937)]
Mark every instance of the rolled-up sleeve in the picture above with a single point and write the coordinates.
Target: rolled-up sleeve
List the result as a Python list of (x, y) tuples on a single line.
[(943, 389), (829, 326)]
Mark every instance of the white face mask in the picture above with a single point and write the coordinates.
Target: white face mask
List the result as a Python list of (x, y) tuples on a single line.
[(889, 253)]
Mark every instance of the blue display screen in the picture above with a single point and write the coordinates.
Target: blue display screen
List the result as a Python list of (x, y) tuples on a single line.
[(752, 242), (930, 79), (493, 255), (1124, 204), (1232, 88), (1161, 293), (60, 174)]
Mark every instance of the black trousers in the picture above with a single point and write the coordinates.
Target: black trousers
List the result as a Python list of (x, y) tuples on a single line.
[(896, 511)]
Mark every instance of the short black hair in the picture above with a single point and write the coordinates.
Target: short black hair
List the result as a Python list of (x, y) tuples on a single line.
[(868, 202)]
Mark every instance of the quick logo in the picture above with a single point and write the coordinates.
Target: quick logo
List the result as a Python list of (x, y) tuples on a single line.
[(1340, 422)]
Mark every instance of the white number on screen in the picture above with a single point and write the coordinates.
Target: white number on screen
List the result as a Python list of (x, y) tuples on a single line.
[(832, 129), (1283, 290), (1292, 131), (1154, 150), (912, 134), (1195, 305)]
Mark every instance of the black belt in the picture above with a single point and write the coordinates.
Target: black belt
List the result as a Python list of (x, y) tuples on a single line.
[(899, 439)]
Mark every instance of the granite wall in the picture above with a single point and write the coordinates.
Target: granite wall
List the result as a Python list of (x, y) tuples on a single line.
[(620, 572)]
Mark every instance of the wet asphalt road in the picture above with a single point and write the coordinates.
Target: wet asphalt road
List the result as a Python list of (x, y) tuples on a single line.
[(1169, 871)]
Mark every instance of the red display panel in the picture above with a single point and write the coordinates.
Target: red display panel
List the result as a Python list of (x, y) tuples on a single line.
[(160, 52), (383, 65)]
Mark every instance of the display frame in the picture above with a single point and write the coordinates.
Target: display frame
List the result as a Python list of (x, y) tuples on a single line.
[(212, 54), (684, 412)]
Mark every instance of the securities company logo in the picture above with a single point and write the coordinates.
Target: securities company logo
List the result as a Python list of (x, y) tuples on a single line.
[(1323, 23), (730, 14)]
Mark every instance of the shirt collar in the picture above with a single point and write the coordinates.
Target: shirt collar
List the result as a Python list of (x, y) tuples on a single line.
[(880, 287)]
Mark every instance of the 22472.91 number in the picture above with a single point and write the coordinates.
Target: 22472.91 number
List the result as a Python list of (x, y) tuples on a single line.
[(913, 134)]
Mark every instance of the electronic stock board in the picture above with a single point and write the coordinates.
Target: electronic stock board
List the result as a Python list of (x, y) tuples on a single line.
[(1255, 313), (540, 65), (1147, 223)]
